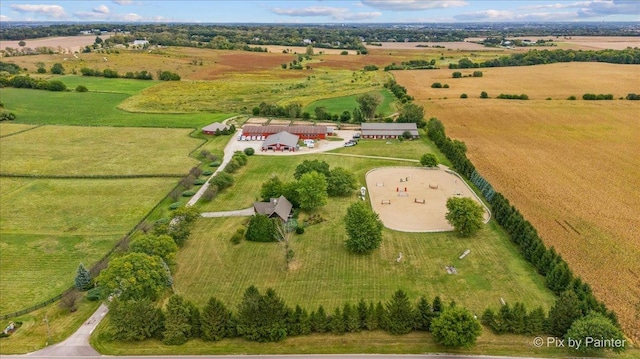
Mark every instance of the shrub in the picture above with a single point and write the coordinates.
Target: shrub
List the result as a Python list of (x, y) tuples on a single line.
[(446, 86), (188, 193), (232, 166), (249, 151), (174, 205), (214, 164), (81, 88), (633, 96), (261, 229), (483, 94), (477, 74), (222, 180), (207, 173), (436, 85), (95, 294), (456, 75), (42, 70), (199, 182), (571, 98), (464, 95), (344, 53), (236, 238), (299, 230)]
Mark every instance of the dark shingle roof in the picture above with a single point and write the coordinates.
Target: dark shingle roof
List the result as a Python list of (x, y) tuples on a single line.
[(279, 206)]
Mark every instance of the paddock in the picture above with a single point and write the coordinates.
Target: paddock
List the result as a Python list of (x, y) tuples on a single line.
[(414, 199)]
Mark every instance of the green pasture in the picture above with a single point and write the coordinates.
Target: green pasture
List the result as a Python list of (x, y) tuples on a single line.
[(325, 273), (74, 150), (101, 84), (337, 105), (92, 109), (240, 92), (48, 227)]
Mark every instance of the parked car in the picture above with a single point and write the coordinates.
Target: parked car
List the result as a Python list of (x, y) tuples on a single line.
[(349, 143), (357, 135)]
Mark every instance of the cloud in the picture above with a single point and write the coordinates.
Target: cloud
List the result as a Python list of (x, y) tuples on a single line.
[(336, 13), (51, 11), (131, 17), (612, 7), (102, 9), (506, 15), (485, 15), (123, 2), (412, 5), (4, 18)]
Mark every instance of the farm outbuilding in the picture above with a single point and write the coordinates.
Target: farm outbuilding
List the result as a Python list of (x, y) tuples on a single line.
[(212, 128), (303, 131), (388, 130), (281, 141), (275, 208)]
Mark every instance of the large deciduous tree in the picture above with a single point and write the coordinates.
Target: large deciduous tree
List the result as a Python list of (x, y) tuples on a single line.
[(429, 160), (596, 327), (261, 229), (412, 113), (162, 246), (364, 228), (272, 188), (456, 327), (465, 215), (136, 276), (341, 182), (368, 104), (312, 190), (309, 166)]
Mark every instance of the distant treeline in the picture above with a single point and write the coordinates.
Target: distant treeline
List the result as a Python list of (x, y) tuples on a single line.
[(142, 75), (413, 65), (32, 83), (538, 57)]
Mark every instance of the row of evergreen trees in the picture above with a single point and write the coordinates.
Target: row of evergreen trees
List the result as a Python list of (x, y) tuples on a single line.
[(265, 318), (559, 278)]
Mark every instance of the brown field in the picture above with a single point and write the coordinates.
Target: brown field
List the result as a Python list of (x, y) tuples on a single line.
[(562, 163), (303, 49), (67, 44), (403, 213), (579, 42), (557, 81)]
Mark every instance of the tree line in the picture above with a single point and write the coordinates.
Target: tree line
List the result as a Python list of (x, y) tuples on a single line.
[(538, 57), (558, 277)]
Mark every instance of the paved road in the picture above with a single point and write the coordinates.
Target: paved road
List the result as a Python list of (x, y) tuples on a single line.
[(289, 356)]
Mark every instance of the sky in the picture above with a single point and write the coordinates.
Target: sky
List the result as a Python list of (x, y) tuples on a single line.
[(321, 11)]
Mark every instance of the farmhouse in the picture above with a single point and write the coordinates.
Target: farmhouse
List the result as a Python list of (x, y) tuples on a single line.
[(212, 128), (281, 141), (275, 208), (388, 130), (304, 132)]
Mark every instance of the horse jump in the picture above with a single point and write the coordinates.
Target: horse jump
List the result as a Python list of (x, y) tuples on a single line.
[(386, 201), (433, 186), (415, 200)]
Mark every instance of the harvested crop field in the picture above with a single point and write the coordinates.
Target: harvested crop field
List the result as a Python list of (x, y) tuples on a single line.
[(411, 199), (454, 45), (555, 81), (242, 61), (66, 43), (571, 168), (302, 50)]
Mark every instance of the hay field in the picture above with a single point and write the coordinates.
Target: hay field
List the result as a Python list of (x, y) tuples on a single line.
[(72, 150), (561, 163), (454, 45), (48, 227), (8, 128), (303, 49), (60, 43), (558, 81)]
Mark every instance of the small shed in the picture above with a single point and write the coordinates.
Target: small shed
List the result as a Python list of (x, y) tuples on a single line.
[(212, 128), (281, 141), (275, 208)]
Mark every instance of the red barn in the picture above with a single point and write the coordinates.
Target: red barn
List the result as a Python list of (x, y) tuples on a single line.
[(304, 132), (281, 141)]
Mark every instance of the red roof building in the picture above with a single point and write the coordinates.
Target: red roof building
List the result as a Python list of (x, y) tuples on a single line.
[(304, 132)]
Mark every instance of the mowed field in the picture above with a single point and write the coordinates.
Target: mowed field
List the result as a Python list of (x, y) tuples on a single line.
[(324, 272), (90, 151), (49, 227), (562, 163), (337, 105)]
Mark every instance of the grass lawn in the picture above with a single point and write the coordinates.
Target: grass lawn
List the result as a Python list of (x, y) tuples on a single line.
[(347, 103), (413, 149), (101, 84), (92, 109), (33, 333), (49, 226), (325, 273), (73, 150)]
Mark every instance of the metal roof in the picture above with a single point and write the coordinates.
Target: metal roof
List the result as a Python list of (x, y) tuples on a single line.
[(302, 130), (282, 138)]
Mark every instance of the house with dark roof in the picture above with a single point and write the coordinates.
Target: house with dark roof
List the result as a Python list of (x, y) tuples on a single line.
[(388, 130), (303, 131), (275, 208), (281, 141), (212, 128)]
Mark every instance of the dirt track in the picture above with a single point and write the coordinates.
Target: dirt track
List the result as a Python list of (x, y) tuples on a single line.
[(403, 213)]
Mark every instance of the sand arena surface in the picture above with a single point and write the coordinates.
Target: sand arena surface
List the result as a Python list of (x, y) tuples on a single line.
[(404, 214)]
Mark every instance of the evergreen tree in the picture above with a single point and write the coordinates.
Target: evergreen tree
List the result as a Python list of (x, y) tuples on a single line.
[(380, 315), (176, 327), (371, 322), (362, 314), (437, 305), (299, 322), (336, 322), (424, 315), (559, 278), (134, 319), (350, 317), (535, 321), (400, 314), (504, 320), (519, 315), (195, 320), (83, 278), (488, 318), (216, 321), (319, 320), (563, 313)]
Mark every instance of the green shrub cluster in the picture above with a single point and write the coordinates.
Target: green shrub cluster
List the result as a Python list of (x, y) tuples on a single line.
[(633, 96), (28, 82), (109, 73), (513, 97), (593, 97), (399, 91)]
